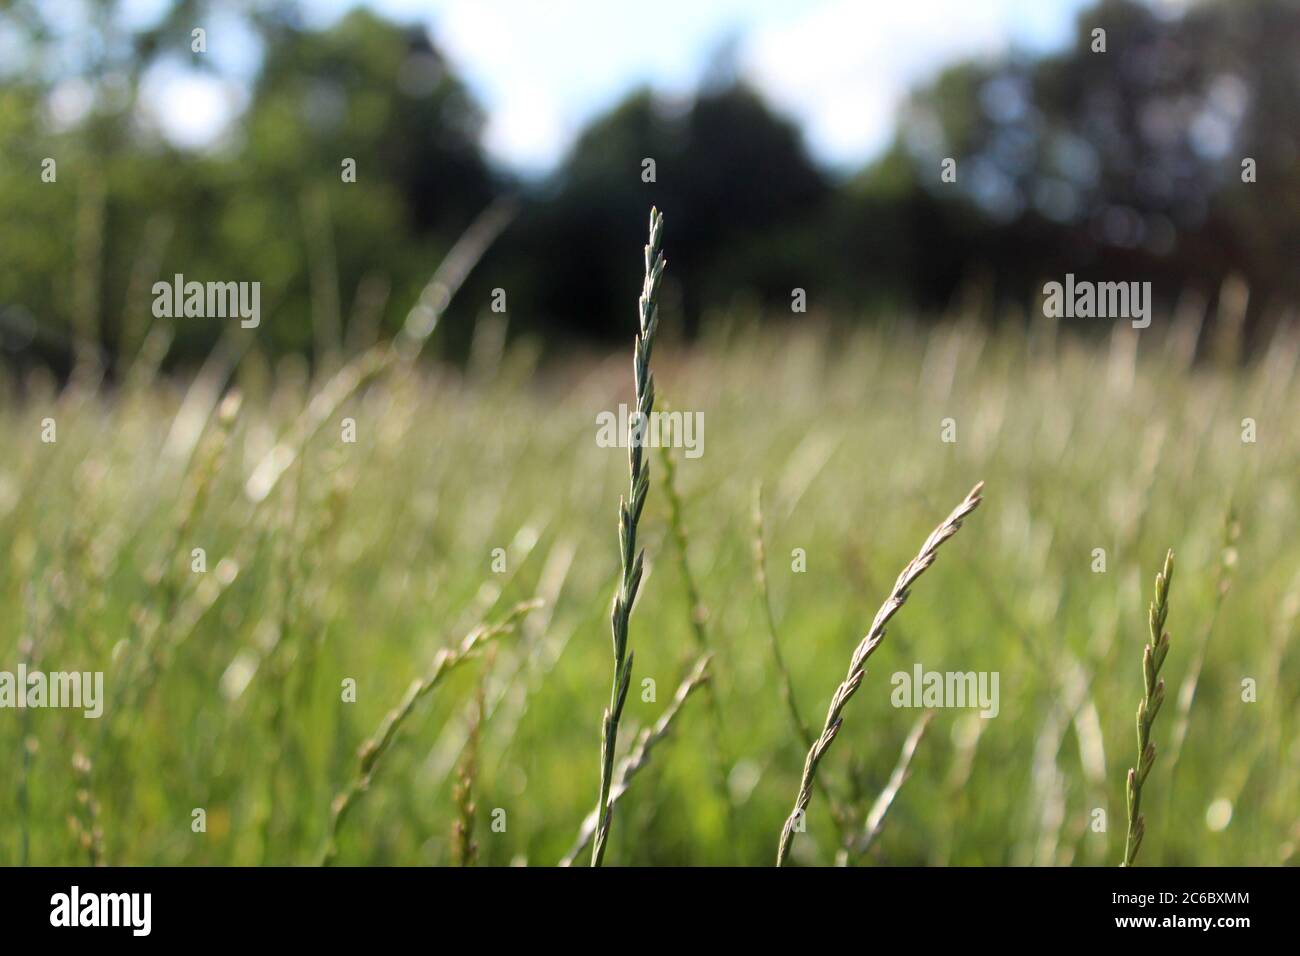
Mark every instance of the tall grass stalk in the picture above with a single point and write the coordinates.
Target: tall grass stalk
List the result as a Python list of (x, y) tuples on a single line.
[(699, 616), (464, 851), (84, 821), (639, 756), (362, 369), (839, 815), (1224, 573), (170, 577), (760, 576), (451, 274), (26, 743), (1223, 576), (857, 664), (1153, 656), (629, 514), (372, 751), (876, 815), (677, 524)]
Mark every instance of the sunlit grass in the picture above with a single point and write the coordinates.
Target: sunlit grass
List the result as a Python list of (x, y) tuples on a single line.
[(366, 557)]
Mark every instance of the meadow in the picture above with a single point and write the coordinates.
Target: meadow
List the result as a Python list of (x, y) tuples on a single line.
[(469, 489)]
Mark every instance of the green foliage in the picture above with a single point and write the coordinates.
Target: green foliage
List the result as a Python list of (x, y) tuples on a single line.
[(1118, 165), (256, 209)]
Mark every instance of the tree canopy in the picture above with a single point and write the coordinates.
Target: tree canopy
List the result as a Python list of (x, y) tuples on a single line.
[(1128, 163)]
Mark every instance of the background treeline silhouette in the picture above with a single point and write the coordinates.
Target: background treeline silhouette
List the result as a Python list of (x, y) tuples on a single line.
[(1121, 166)]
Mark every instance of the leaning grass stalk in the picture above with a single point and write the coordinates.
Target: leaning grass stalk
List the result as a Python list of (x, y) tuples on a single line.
[(1223, 578), (322, 409), (136, 312), (26, 742), (372, 751), (1285, 797), (87, 273), (323, 274), (640, 755), (1153, 656), (286, 653), (405, 349), (464, 851), (451, 274), (677, 523), (699, 615), (1187, 690), (171, 576), (629, 514), (203, 395), (760, 576), (876, 815), (837, 804), (85, 820), (956, 793), (857, 664)]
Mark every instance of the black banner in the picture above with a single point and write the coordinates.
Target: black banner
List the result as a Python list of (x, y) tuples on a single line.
[(339, 905)]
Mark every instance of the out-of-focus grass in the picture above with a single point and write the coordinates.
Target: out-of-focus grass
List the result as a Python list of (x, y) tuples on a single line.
[(368, 557)]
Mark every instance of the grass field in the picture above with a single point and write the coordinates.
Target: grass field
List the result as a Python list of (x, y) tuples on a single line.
[(328, 560)]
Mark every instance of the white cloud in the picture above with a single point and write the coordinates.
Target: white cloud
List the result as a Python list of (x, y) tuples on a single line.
[(544, 70), (844, 66), (526, 126), (838, 67)]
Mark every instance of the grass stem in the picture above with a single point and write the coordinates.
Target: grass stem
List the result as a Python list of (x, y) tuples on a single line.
[(1153, 656), (629, 515), (371, 753), (857, 663)]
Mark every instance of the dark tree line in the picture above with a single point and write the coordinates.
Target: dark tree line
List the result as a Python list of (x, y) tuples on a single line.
[(1122, 165)]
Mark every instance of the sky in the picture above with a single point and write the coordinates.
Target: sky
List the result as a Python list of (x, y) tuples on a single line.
[(542, 69)]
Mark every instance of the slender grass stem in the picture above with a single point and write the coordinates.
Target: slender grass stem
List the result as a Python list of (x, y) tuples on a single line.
[(629, 515), (464, 850), (839, 815), (1153, 656), (372, 751), (677, 524), (637, 759), (699, 616), (857, 664), (1223, 577), (876, 815), (760, 576)]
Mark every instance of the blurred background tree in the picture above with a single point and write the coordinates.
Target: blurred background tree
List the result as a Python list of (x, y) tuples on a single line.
[(1122, 165), (1128, 164)]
